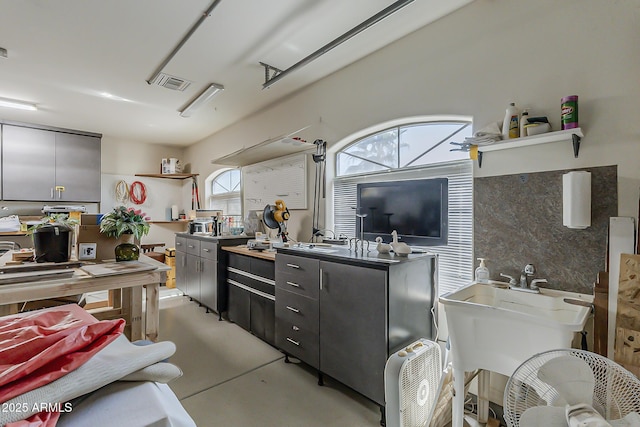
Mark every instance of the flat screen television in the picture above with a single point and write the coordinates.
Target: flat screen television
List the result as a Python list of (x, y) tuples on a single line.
[(416, 209)]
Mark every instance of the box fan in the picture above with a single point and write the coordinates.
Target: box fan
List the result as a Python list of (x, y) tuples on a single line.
[(412, 379)]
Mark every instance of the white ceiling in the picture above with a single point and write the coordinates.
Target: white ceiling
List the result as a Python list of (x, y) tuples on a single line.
[(65, 55)]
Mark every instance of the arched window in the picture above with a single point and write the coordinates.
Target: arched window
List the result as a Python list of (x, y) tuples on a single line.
[(224, 193), (414, 149), (415, 144)]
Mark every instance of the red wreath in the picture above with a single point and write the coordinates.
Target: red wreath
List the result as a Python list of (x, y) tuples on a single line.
[(137, 192)]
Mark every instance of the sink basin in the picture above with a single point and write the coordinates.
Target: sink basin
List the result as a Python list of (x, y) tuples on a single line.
[(494, 328)]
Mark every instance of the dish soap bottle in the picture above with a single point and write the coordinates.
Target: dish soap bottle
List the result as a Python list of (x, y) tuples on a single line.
[(510, 125), (482, 272)]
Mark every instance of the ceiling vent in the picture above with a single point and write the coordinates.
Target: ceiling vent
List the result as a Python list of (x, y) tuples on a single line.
[(171, 82)]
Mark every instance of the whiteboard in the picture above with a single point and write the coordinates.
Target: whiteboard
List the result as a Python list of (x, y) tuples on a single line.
[(283, 178)]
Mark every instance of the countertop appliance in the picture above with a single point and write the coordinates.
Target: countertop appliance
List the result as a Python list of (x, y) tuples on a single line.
[(203, 226)]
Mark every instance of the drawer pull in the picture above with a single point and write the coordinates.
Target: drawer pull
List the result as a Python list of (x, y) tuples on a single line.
[(293, 266), (295, 328), (178, 244), (191, 246), (293, 342), (293, 284), (295, 310), (206, 250)]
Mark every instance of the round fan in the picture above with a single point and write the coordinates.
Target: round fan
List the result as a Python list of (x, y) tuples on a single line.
[(571, 388)]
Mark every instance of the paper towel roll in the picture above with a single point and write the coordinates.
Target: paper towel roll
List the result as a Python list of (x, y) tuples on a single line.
[(174, 212), (576, 199)]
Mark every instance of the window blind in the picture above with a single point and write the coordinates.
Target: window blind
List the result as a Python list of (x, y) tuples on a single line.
[(455, 260)]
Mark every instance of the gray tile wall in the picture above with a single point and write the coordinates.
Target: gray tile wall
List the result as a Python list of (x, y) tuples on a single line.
[(518, 220)]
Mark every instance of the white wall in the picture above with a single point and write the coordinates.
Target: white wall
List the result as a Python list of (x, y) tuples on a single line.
[(473, 62), (122, 160)]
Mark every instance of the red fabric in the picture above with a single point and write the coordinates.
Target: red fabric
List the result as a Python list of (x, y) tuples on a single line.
[(42, 346), (43, 419)]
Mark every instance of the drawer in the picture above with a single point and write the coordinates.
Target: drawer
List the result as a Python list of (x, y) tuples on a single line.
[(209, 250), (298, 310), (181, 244), (299, 275), (193, 247), (298, 342), (241, 262), (236, 275), (263, 268)]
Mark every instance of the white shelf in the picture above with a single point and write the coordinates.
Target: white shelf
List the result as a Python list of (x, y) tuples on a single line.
[(572, 135), (543, 138)]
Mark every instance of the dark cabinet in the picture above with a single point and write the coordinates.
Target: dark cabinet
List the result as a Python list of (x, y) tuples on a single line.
[(353, 327), (198, 273), (252, 295), (345, 318), (47, 165)]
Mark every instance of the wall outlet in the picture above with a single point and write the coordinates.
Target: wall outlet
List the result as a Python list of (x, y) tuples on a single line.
[(87, 250)]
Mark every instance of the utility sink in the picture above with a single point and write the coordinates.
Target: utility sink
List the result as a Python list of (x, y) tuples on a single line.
[(495, 328)]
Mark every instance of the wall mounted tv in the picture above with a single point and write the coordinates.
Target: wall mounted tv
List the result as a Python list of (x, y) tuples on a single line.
[(416, 209)]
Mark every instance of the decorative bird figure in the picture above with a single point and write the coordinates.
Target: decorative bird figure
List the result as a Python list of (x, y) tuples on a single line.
[(399, 248), (383, 248)]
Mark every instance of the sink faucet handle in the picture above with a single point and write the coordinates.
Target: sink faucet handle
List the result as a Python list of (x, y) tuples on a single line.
[(534, 283), (512, 280)]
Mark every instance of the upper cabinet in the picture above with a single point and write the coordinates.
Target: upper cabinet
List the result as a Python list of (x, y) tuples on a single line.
[(47, 165)]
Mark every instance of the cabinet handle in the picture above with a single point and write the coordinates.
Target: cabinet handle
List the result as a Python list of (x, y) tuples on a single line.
[(178, 244), (293, 342), (52, 192), (321, 284), (206, 250), (191, 246), (295, 328), (293, 284), (295, 310), (293, 266)]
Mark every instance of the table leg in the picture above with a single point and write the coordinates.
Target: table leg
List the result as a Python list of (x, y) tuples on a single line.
[(7, 309), (152, 317)]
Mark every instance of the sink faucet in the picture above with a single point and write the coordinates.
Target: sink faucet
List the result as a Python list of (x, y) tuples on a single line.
[(528, 271)]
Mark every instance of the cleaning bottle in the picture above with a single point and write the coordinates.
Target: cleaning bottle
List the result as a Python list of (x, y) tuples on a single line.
[(524, 122), (510, 125), (482, 272)]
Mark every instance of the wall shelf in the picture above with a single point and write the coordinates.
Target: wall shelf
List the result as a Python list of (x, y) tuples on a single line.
[(573, 135), (168, 175), (177, 221)]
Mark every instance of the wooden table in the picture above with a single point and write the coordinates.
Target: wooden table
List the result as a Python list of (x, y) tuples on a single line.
[(141, 324)]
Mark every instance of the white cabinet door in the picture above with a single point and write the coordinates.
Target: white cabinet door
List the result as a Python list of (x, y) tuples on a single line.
[(77, 167)]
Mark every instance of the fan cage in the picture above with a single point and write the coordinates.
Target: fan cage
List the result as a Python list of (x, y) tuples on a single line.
[(419, 384), (616, 391)]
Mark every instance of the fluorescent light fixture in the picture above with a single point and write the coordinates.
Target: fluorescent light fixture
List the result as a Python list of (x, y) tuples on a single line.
[(20, 105), (202, 99)]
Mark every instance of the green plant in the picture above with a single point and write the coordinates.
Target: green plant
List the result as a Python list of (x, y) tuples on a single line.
[(61, 220), (123, 220)]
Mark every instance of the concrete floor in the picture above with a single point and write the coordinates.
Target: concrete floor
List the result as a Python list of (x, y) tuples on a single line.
[(232, 378)]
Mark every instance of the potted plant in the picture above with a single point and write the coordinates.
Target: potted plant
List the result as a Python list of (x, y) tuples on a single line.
[(123, 221), (52, 238)]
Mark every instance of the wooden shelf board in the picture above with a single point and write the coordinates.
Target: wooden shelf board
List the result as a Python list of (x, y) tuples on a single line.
[(178, 221), (168, 175)]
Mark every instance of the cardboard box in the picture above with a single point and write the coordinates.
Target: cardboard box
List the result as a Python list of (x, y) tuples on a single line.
[(170, 260), (104, 245), (170, 252), (90, 219)]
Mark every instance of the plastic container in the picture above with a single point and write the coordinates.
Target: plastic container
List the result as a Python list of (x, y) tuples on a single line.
[(569, 115), (524, 122), (510, 124), (482, 272), (52, 243)]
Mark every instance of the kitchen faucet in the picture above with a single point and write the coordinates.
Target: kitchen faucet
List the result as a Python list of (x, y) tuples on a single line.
[(525, 285)]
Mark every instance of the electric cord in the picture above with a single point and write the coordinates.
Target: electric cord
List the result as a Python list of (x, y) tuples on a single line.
[(138, 192), (122, 191)]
